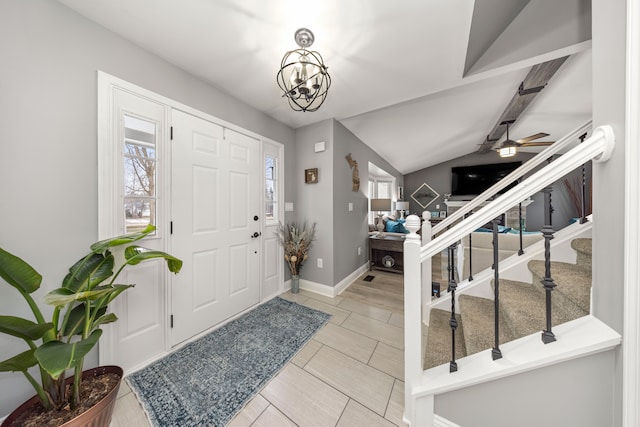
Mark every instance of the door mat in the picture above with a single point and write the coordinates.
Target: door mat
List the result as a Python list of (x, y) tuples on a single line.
[(208, 381)]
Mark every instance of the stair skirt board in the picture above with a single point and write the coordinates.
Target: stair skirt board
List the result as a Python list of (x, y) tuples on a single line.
[(577, 338)]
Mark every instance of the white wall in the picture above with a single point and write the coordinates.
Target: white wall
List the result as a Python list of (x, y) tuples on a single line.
[(609, 93), (571, 394), (48, 147)]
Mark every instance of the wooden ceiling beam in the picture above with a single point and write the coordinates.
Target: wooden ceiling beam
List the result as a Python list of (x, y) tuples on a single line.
[(536, 80)]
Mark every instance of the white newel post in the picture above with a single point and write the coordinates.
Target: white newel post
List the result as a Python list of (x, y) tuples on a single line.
[(427, 276), (412, 317)]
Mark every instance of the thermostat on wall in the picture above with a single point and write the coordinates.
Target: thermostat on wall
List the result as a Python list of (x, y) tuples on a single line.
[(319, 147)]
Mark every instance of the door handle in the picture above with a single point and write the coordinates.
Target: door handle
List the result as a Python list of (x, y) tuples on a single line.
[(255, 235)]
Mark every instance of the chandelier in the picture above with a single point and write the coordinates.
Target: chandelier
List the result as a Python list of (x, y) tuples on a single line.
[(303, 77)]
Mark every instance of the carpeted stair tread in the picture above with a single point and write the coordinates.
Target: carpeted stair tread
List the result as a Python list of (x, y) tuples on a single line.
[(438, 346), (522, 307), (478, 318), (573, 285), (584, 250)]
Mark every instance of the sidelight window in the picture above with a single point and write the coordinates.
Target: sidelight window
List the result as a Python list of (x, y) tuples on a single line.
[(271, 189), (140, 166)]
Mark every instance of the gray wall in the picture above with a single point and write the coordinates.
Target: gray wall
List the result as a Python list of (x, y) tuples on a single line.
[(438, 176), (339, 232), (314, 202), (570, 394), (350, 229), (609, 66), (48, 152)]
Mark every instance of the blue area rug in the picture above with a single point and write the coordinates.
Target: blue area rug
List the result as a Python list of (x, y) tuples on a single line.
[(206, 382)]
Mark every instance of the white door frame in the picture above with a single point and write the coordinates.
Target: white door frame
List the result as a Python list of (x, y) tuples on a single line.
[(107, 189)]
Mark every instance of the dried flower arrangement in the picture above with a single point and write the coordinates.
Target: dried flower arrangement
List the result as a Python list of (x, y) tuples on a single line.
[(296, 241)]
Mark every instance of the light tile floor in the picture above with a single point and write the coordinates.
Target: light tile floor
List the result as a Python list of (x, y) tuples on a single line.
[(350, 374)]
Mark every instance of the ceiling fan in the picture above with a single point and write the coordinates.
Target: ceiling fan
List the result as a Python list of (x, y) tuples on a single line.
[(510, 147)]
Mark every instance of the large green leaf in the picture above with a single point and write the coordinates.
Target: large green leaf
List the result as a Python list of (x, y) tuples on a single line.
[(107, 318), (61, 296), (89, 271), (23, 328), (75, 322), (103, 245), (16, 272), (19, 363), (55, 357), (136, 254)]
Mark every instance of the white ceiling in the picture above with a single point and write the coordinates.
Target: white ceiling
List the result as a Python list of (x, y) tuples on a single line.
[(397, 67)]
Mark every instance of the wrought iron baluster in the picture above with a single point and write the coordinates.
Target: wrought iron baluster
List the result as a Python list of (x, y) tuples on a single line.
[(470, 251), (547, 282), (521, 251), (453, 322), (583, 217), (495, 352)]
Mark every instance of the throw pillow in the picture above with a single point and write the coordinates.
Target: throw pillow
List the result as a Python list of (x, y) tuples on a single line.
[(396, 226)]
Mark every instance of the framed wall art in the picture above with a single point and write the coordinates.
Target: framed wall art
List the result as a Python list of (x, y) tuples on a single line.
[(425, 195), (311, 176)]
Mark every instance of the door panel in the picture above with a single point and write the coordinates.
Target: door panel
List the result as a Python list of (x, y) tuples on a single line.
[(140, 333), (214, 194)]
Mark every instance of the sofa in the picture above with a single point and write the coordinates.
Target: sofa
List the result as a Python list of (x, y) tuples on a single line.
[(482, 246), (392, 227)]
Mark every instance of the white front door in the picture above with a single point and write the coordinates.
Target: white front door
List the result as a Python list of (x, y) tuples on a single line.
[(215, 216)]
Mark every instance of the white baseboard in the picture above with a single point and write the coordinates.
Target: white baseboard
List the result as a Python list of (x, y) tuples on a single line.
[(316, 288), (329, 291), (347, 281), (439, 421)]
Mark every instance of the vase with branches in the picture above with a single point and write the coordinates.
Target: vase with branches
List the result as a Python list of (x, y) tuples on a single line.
[(296, 239)]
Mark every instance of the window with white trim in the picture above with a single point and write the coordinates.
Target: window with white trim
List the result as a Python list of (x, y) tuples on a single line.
[(140, 161), (271, 195)]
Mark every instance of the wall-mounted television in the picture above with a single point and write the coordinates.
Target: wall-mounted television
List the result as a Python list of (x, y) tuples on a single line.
[(473, 180)]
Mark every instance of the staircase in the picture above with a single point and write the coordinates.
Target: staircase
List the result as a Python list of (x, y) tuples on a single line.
[(522, 310)]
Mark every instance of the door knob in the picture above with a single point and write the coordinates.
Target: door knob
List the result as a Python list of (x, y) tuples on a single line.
[(256, 234), (255, 217)]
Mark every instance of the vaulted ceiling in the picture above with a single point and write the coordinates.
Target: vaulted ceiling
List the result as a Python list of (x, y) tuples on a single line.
[(419, 81)]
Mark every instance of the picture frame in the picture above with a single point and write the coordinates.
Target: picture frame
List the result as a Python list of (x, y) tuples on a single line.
[(311, 176), (400, 193), (443, 214), (424, 195)]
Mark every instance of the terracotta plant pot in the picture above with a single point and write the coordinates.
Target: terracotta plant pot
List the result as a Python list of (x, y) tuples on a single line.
[(99, 415)]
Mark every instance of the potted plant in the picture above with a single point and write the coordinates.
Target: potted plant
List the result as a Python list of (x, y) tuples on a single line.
[(79, 309), (296, 241)]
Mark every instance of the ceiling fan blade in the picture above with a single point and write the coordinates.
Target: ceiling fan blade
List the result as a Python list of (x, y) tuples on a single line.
[(532, 137), (536, 144)]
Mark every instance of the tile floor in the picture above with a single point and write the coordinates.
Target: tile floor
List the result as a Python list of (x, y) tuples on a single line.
[(350, 374)]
